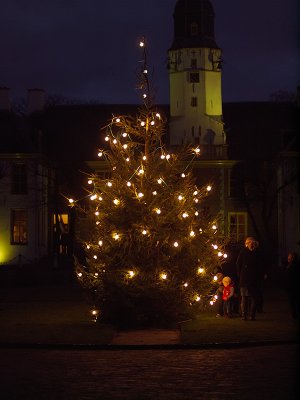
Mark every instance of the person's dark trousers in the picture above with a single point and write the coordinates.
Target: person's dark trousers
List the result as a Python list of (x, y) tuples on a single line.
[(220, 306), (248, 306)]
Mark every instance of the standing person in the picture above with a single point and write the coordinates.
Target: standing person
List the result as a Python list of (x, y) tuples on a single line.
[(293, 278), (251, 272), (228, 292)]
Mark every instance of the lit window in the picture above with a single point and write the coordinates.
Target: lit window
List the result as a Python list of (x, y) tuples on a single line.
[(19, 226)]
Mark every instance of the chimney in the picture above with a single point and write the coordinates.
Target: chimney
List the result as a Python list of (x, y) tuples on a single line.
[(4, 99), (36, 100)]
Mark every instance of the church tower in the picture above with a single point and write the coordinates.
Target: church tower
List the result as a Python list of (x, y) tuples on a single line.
[(194, 62)]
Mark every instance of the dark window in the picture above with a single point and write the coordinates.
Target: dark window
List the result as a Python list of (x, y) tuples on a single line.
[(19, 179), (193, 63), (237, 226), (19, 226), (194, 77), (194, 102)]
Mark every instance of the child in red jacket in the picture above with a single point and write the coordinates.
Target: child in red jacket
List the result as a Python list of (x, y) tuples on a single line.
[(227, 296)]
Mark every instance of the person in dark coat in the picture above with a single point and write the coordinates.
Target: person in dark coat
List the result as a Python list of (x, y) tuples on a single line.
[(251, 273), (293, 279)]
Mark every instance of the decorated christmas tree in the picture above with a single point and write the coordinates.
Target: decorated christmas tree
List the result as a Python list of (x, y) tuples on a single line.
[(151, 249)]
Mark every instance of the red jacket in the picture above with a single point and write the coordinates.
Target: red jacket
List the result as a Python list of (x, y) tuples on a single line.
[(228, 292)]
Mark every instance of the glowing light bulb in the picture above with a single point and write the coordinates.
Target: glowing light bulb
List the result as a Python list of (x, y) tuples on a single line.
[(100, 243), (159, 181), (141, 171), (115, 141), (214, 227), (176, 244), (158, 211), (163, 276), (116, 236), (116, 202), (183, 175), (152, 123), (198, 298), (127, 159), (131, 274), (96, 275), (124, 134), (128, 184), (79, 274), (180, 197), (95, 257), (208, 188), (118, 120), (185, 284), (109, 184), (96, 212), (192, 233), (154, 193), (215, 278), (196, 213), (143, 123), (106, 138), (220, 254), (162, 156), (142, 44), (140, 195), (196, 201), (144, 95), (90, 181), (93, 197), (125, 146), (100, 154), (197, 150), (200, 270), (144, 232), (225, 255), (185, 215), (71, 201), (157, 115), (168, 156), (215, 246)]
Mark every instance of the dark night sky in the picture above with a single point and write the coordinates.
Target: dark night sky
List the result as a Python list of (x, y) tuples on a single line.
[(88, 49)]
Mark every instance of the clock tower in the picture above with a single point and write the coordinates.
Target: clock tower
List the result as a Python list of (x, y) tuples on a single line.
[(194, 62)]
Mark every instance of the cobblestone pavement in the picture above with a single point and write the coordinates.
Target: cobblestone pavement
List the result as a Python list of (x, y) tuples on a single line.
[(266, 372)]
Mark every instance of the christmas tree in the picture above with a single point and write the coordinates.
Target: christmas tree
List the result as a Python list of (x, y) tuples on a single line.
[(151, 249)]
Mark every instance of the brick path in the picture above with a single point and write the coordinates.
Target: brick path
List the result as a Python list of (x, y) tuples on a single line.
[(245, 374)]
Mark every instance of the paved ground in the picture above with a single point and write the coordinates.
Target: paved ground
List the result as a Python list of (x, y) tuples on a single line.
[(267, 372)]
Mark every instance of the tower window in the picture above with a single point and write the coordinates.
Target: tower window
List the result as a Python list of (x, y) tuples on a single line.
[(194, 77), (194, 101), (194, 29)]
